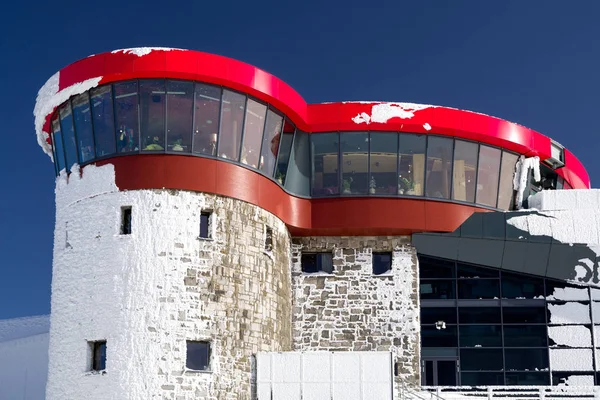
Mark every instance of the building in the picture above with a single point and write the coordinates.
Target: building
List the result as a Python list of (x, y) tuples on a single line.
[(207, 214)]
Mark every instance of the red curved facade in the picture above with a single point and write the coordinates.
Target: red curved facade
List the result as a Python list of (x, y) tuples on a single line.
[(331, 216)]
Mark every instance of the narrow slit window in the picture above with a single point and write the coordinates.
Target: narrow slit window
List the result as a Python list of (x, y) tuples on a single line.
[(98, 355), (125, 220), (269, 239), (382, 263), (205, 225), (317, 262), (198, 355)]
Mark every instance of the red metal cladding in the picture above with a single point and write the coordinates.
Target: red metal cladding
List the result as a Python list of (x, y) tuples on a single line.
[(339, 216), (335, 216)]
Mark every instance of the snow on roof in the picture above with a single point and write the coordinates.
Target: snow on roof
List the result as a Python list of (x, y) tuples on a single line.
[(49, 97), (142, 51), (16, 328), (382, 112)]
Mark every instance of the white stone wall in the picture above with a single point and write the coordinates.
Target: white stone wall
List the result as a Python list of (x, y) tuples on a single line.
[(148, 292), (354, 310)]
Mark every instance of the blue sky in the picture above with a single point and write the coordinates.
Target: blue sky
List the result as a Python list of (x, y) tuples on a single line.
[(533, 62)]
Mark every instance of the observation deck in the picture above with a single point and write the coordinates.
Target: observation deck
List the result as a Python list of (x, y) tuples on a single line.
[(180, 119)]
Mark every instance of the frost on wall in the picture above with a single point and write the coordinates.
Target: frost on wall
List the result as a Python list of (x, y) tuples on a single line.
[(570, 335), (49, 97), (571, 360), (569, 313), (354, 310), (148, 292)]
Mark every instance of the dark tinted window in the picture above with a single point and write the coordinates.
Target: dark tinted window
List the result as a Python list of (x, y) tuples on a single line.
[(434, 337), (411, 164), (523, 315), (382, 263), (383, 160), (435, 268), (198, 356), (232, 119), (82, 117), (205, 224), (325, 164), (481, 359), (480, 336), (355, 166), (516, 286), (152, 114), (526, 359), (58, 144), (478, 289), (126, 113), (507, 173), (469, 271), (479, 315), (103, 120), (98, 356), (317, 262), (283, 158), (68, 133), (465, 171), (254, 126), (525, 336), (272, 142), (528, 378), (431, 315), (206, 119), (297, 178), (437, 289), (180, 103), (481, 378), (439, 167)]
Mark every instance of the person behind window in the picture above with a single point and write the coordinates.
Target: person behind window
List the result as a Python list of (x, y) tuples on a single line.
[(154, 144)]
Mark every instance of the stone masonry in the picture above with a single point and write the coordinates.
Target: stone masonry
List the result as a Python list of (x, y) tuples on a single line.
[(354, 310)]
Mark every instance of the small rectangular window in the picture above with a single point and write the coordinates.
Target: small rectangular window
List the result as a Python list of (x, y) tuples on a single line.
[(205, 227), (317, 262), (269, 239), (125, 220), (98, 355), (198, 355), (382, 263)]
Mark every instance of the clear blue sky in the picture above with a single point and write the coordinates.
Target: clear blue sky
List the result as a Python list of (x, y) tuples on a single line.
[(533, 62)]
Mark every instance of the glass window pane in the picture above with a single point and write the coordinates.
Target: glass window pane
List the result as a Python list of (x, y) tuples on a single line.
[(152, 114), (58, 144), (522, 315), (68, 132), (103, 119), (232, 119), (439, 156), (478, 289), (528, 378), (82, 117), (254, 125), (434, 337), (487, 179), (180, 101), (325, 148), (525, 336), (437, 289), (436, 268), (383, 161), (126, 110), (297, 178), (507, 173), (482, 378), (355, 165), (480, 335), (521, 287), (431, 315), (284, 156), (465, 171), (382, 263), (480, 360), (206, 119), (479, 315), (270, 145), (525, 359), (470, 271), (411, 169)]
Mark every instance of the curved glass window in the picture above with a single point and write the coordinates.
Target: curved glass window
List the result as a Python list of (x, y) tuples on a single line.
[(126, 115), (439, 167), (411, 164), (355, 162), (152, 114), (232, 120), (206, 119), (103, 120), (325, 149), (465, 171), (383, 160), (58, 144), (487, 178), (283, 158), (253, 133), (68, 134), (297, 178), (180, 104), (82, 117), (507, 173), (272, 143)]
